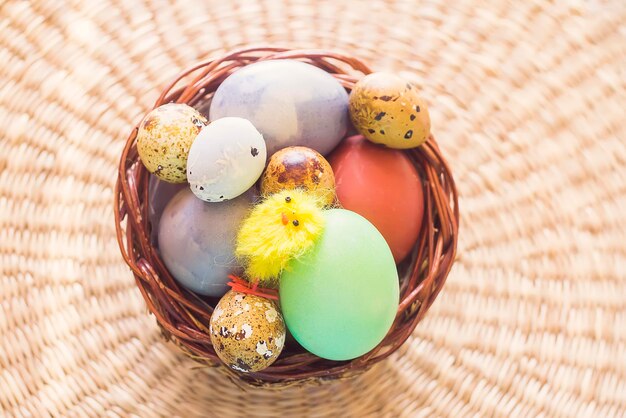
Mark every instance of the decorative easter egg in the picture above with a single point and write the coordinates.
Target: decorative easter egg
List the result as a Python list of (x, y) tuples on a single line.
[(299, 167), (164, 138), (388, 110), (159, 195), (197, 240), (226, 159), (247, 331), (340, 298), (289, 102), (382, 185)]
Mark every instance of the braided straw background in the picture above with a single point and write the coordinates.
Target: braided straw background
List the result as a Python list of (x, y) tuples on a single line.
[(527, 100)]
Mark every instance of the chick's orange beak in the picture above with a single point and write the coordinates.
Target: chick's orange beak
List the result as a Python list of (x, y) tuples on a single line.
[(285, 219)]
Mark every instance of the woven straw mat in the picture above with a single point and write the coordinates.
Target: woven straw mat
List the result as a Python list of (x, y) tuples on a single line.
[(527, 100)]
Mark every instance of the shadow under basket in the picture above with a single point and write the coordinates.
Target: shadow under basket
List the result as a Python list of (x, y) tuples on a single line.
[(184, 316)]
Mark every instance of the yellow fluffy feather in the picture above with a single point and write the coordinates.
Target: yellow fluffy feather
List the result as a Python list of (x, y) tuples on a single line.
[(282, 227)]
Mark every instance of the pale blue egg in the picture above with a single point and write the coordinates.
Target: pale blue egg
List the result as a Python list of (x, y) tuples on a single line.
[(289, 102), (197, 240), (226, 159)]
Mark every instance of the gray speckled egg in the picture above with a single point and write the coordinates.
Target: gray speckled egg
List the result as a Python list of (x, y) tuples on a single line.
[(288, 101), (247, 331), (197, 240), (226, 159)]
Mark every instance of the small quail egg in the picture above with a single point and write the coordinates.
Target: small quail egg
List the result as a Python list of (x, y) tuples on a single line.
[(247, 331), (164, 138), (299, 167), (388, 110)]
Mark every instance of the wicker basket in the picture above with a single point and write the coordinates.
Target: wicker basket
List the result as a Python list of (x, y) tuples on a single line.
[(184, 316)]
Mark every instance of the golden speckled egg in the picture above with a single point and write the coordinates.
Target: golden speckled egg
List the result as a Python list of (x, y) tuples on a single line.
[(388, 110), (247, 331), (299, 167), (164, 138)]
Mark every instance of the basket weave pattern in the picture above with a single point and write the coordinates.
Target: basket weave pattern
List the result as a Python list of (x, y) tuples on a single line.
[(184, 317), (527, 98)]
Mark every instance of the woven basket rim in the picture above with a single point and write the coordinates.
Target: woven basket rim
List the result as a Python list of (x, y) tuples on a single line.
[(183, 316)]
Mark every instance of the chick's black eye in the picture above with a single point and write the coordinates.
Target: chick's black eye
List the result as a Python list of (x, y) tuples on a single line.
[(295, 222), (288, 199)]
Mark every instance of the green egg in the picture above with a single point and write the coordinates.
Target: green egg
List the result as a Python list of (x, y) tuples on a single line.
[(340, 299)]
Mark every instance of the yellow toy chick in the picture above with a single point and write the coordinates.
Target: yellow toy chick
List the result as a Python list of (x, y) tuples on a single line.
[(284, 226)]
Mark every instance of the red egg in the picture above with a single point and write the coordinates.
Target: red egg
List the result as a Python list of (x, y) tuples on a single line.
[(382, 185)]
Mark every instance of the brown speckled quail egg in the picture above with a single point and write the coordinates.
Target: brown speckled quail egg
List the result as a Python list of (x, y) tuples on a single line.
[(247, 331), (164, 138), (387, 110), (299, 167)]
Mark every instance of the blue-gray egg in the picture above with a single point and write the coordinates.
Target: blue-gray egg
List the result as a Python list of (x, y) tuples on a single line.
[(289, 102), (197, 240), (159, 194), (226, 159)]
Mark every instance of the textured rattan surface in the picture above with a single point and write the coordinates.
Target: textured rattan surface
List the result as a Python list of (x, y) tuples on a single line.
[(527, 99)]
